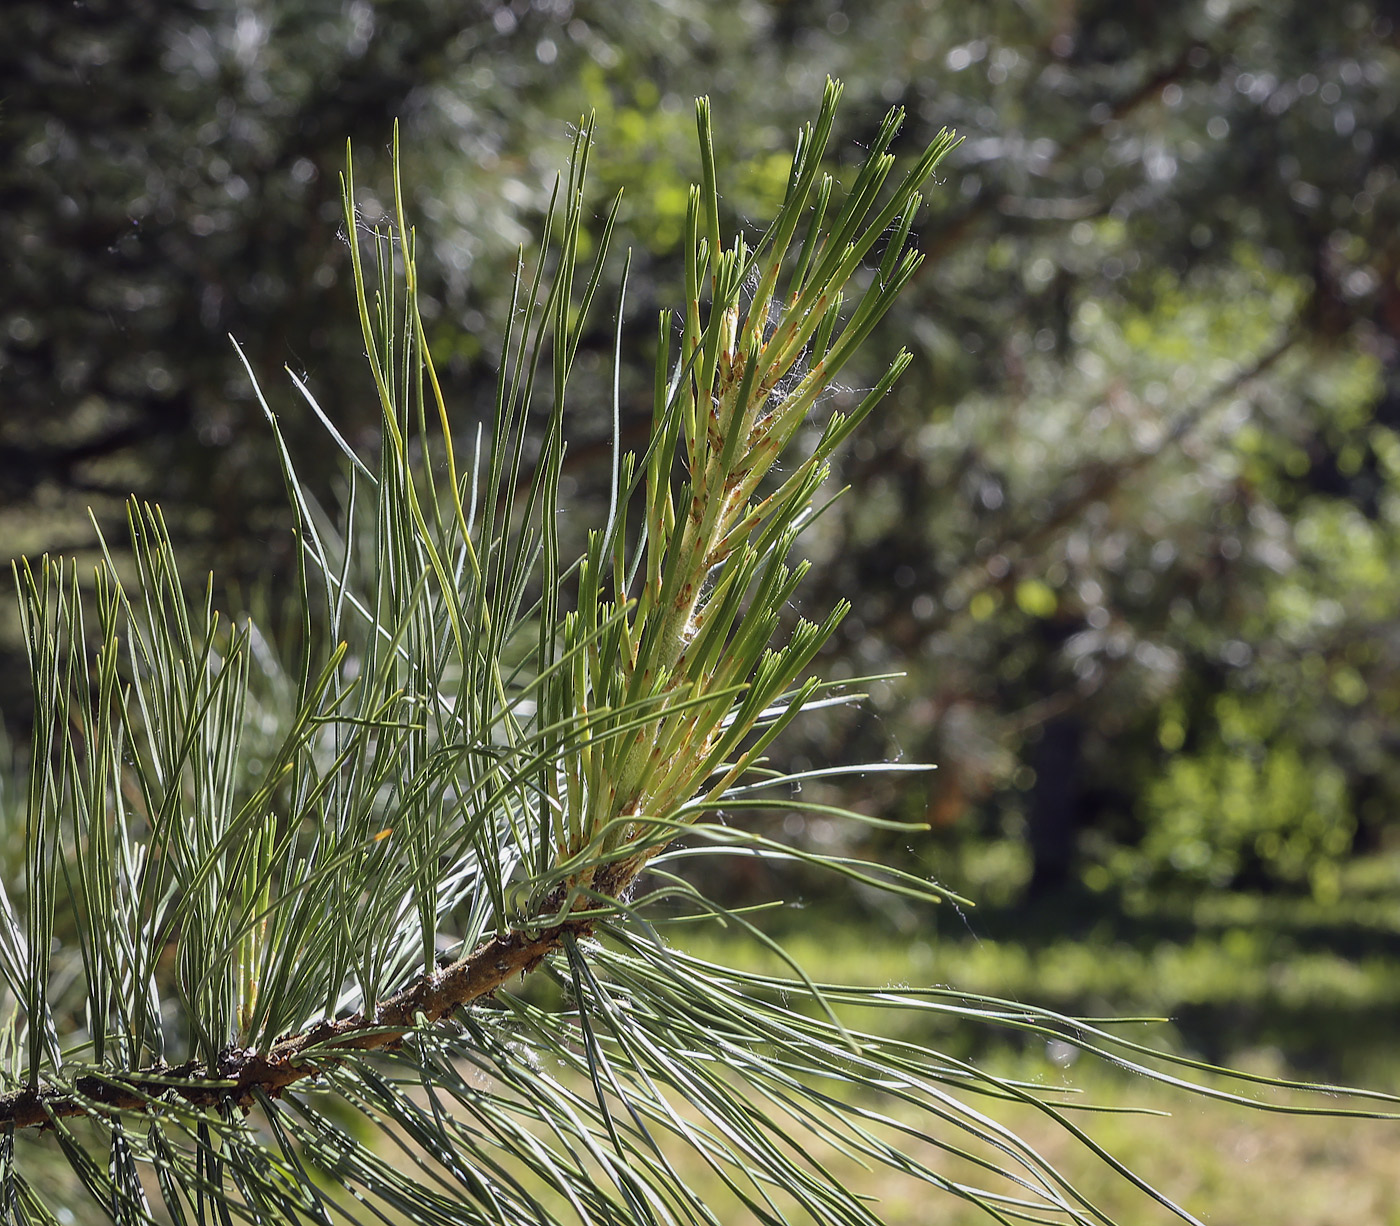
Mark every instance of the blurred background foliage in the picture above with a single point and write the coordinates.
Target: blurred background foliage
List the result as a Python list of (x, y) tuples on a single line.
[(1128, 526)]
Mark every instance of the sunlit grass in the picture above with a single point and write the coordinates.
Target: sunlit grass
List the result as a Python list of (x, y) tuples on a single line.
[(1222, 1164), (1234, 972)]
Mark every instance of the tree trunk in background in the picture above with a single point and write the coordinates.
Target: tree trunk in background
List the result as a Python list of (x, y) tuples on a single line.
[(1055, 804)]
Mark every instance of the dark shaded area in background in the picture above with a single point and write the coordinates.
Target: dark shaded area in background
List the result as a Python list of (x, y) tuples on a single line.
[(1130, 525)]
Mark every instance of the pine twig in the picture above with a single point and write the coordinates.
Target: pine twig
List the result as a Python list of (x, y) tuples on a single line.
[(240, 1075)]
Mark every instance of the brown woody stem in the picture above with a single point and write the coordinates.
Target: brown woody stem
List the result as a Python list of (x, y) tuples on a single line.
[(240, 1073)]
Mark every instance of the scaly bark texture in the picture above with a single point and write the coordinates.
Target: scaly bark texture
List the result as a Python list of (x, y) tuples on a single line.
[(240, 1074)]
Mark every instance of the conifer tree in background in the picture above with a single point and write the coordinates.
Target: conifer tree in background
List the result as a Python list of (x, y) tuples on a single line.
[(266, 954)]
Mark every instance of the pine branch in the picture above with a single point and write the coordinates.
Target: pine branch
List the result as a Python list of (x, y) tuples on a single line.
[(241, 1076)]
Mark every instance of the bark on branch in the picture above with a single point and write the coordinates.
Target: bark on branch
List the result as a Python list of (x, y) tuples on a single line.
[(240, 1073)]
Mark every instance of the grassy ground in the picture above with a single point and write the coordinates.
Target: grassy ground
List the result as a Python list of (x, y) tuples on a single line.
[(1278, 985), (1223, 1163)]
